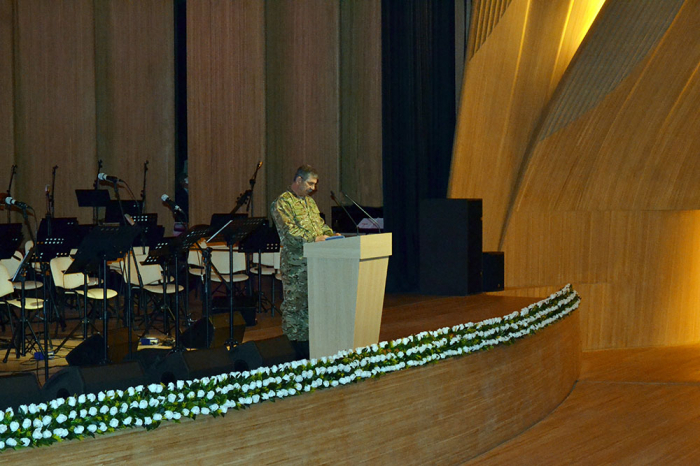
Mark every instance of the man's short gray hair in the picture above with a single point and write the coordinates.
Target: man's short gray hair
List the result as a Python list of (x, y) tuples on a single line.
[(306, 171)]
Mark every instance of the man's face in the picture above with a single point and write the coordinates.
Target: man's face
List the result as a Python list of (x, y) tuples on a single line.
[(306, 187)]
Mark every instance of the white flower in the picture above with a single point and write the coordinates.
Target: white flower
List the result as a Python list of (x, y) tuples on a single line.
[(32, 408), (195, 410), (104, 409), (100, 397), (37, 424), (25, 441), (143, 404), (177, 415), (91, 397), (72, 415), (113, 410), (61, 418), (138, 422), (47, 434), (83, 413), (3, 428), (205, 411), (78, 430), (127, 420), (37, 434), (11, 442), (114, 423), (26, 424), (2, 444), (103, 427), (92, 428), (147, 421), (172, 398), (157, 417), (92, 411)]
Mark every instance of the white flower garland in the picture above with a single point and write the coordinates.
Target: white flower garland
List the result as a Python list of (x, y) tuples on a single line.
[(91, 414)]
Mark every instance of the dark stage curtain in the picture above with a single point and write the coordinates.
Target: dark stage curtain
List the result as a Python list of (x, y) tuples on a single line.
[(418, 66)]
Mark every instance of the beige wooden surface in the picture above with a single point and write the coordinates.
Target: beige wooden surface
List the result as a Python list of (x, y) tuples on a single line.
[(589, 175), (347, 278), (445, 412)]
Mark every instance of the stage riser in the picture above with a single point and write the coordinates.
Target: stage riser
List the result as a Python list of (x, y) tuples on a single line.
[(446, 412)]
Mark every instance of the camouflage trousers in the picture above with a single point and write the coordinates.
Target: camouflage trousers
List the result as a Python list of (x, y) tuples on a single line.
[(295, 307)]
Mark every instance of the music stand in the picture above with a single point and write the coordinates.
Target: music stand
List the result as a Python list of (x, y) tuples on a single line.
[(235, 232), (93, 198), (264, 239), (10, 239), (103, 244), (113, 213)]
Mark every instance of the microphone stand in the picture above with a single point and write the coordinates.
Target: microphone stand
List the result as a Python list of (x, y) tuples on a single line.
[(50, 203), (252, 187), (371, 219), (357, 227), (143, 191), (96, 184), (9, 192)]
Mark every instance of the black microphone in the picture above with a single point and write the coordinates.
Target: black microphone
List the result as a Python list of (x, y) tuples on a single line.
[(105, 177), (16, 203), (176, 208), (371, 219), (357, 227)]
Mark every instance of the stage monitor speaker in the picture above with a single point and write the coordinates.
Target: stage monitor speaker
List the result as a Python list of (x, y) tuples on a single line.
[(19, 389), (93, 379), (195, 336), (494, 267), (450, 245), (187, 365), (89, 352), (263, 353)]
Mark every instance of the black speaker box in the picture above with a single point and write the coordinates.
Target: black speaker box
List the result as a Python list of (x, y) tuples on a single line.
[(187, 365), (494, 266), (93, 379), (263, 353), (219, 331), (19, 389), (89, 352), (450, 245)]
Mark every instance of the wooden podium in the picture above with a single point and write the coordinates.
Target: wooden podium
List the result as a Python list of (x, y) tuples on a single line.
[(347, 278)]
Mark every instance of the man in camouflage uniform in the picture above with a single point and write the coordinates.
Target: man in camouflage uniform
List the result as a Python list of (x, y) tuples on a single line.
[(298, 221)]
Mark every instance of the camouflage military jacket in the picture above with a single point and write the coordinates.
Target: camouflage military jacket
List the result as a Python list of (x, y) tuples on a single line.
[(298, 221)]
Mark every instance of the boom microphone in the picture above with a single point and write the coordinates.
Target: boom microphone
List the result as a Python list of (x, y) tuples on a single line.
[(176, 208), (16, 203), (105, 177), (357, 227)]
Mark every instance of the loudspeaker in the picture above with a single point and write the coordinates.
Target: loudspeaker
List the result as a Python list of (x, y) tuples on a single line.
[(186, 365), (89, 352), (450, 244), (494, 266), (118, 344), (19, 389), (263, 353), (219, 331), (93, 379)]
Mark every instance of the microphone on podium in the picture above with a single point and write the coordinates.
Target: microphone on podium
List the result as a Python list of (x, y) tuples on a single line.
[(174, 207), (10, 201), (357, 227), (371, 219), (105, 177)]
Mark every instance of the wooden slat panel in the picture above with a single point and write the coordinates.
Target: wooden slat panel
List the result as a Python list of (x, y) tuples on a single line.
[(135, 96), (643, 267), (361, 101), (54, 101), (522, 57), (7, 130), (302, 93), (226, 104), (516, 386)]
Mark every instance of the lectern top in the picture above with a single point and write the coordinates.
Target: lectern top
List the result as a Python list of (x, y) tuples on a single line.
[(355, 247)]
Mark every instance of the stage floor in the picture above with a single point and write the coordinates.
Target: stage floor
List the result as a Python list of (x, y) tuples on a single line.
[(403, 315)]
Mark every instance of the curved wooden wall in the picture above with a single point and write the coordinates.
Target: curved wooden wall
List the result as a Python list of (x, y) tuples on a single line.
[(446, 412), (7, 132), (604, 193), (507, 84)]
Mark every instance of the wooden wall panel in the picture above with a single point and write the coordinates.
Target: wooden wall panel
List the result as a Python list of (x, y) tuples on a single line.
[(302, 94), (523, 58), (361, 101), (54, 102), (226, 105), (7, 129), (440, 413), (135, 97)]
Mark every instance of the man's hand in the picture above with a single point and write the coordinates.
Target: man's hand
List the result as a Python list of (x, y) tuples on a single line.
[(321, 238)]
